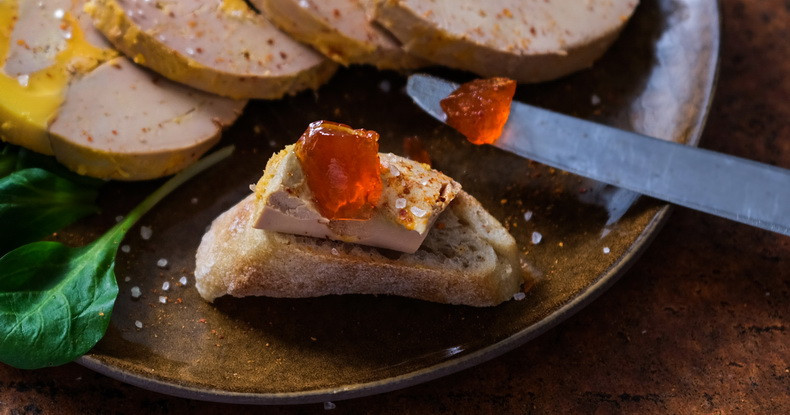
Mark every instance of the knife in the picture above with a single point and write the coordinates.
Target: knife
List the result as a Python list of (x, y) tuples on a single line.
[(731, 187)]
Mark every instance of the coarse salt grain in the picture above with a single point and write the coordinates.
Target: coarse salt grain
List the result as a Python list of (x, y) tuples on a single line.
[(59, 13), (194, 201), (23, 80), (127, 279), (335, 252), (595, 99), (162, 263), (183, 280), (385, 86), (329, 406), (126, 249), (394, 170), (138, 324), (418, 212), (136, 293), (146, 232), (162, 299), (400, 203), (528, 215), (118, 218), (519, 296), (606, 250), (165, 285), (536, 238)]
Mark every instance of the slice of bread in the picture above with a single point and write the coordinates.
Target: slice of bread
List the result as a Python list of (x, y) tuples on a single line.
[(468, 258)]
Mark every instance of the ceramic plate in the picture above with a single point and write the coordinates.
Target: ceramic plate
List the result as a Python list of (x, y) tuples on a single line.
[(657, 79)]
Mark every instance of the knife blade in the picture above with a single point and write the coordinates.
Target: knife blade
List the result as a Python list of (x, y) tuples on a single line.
[(742, 190)]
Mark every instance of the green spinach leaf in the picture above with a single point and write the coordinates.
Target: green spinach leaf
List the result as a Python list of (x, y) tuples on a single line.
[(35, 203), (56, 301)]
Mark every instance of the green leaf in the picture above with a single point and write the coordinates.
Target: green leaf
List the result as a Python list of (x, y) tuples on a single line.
[(56, 301), (35, 203)]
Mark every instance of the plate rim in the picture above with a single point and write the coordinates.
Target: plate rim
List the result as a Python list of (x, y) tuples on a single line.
[(465, 361)]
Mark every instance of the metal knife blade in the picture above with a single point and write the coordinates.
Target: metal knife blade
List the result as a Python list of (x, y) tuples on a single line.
[(731, 187)]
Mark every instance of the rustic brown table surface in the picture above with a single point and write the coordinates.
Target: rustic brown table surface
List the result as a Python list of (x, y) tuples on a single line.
[(698, 326)]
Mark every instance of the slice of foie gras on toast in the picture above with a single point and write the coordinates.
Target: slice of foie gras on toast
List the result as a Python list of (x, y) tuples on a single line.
[(341, 30), (219, 46), (413, 196), (67, 94), (526, 40)]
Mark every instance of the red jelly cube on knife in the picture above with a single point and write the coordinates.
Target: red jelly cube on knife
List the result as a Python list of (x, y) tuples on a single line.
[(479, 109)]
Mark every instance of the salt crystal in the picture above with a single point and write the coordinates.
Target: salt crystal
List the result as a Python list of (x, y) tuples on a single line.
[(385, 86), (126, 249), (138, 324), (394, 170), (328, 406), (595, 99), (190, 51), (127, 279), (536, 238), (272, 143), (418, 212), (146, 232), (161, 263), (183, 280), (118, 218), (606, 250), (519, 296), (528, 215), (400, 203), (335, 252), (163, 299), (194, 201), (23, 80), (165, 285), (136, 293), (67, 35), (59, 13)]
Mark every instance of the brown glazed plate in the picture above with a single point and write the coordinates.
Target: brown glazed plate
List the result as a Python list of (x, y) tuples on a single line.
[(657, 79)]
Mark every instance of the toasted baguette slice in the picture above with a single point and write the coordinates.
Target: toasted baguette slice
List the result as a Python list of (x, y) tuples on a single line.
[(468, 258)]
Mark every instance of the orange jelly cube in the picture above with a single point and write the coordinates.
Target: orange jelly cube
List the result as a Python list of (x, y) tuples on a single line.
[(341, 166), (479, 109)]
